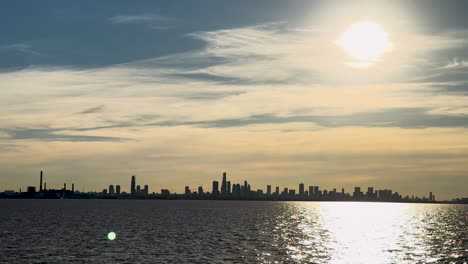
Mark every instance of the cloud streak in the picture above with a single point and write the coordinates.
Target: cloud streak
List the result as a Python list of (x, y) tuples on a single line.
[(93, 110), (456, 64), (54, 135), (155, 21)]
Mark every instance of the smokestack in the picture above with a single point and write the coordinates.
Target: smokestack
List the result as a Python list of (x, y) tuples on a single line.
[(45, 186), (73, 187), (64, 186), (40, 183)]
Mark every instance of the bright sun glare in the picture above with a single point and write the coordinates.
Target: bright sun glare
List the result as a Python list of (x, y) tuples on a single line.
[(365, 42)]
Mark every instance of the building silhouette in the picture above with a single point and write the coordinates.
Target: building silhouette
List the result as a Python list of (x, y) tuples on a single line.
[(132, 186), (215, 189), (301, 190), (40, 183), (224, 185)]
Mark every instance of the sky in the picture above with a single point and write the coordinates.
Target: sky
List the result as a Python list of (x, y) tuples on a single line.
[(177, 92)]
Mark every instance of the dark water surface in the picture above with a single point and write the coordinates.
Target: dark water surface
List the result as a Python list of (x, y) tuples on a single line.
[(75, 231)]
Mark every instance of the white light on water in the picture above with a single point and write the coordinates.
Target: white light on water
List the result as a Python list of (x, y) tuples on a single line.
[(111, 235)]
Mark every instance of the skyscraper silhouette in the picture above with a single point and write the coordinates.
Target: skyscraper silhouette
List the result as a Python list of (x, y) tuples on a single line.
[(224, 184), (40, 183), (215, 190), (132, 188), (301, 189)]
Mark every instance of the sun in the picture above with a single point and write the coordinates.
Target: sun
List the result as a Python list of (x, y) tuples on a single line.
[(365, 42)]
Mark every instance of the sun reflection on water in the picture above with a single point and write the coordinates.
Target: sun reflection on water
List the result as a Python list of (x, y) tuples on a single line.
[(368, 233), (364, 232)]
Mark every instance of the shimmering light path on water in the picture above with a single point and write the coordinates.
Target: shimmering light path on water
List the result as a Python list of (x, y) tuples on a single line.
[(56, 231)]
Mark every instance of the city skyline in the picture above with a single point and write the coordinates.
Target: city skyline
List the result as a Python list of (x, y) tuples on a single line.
[(227, 191), (335, 93)]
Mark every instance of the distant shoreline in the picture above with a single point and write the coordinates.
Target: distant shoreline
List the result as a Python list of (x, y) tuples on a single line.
[(224, 199)]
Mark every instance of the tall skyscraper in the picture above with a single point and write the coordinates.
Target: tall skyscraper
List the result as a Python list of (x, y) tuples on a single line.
[(138, 190), (215, 190), (268, 190), (146, 190), (200, 190), (311, 191), (224, 184), (73, 187), (301, 190), (117, 189), (370, 193), (111, 190), (40, 183), (132, 188), (277, 192), (228, 190)]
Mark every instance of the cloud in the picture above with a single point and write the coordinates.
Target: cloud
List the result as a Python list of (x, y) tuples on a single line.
[(210, 95), (155, 21), (273, 53), (137, 18), (21, 47), (410, 118), (53, 135), (93, 110), (456, 64)]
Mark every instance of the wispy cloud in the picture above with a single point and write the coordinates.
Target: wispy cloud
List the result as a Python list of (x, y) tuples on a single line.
[(456, 64), (155, 21), (46, 134), (275, 54), (93, 110), (21, 47), (403, 118)]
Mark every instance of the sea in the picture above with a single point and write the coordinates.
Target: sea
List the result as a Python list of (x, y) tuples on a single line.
[(159, 231)]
